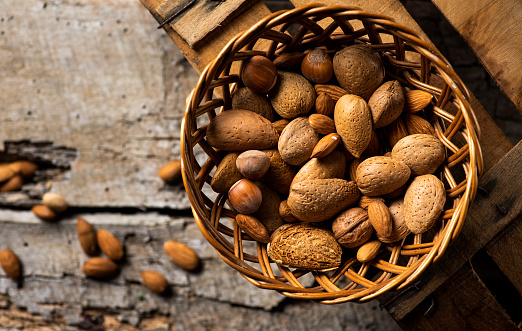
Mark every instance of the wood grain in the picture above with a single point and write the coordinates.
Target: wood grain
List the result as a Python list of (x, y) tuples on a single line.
[(498, 204), (505, 251), (200, 21), (492, 29), (465, 303)]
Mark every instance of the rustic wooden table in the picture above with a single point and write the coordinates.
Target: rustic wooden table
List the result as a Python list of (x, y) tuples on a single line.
[(95, 94)]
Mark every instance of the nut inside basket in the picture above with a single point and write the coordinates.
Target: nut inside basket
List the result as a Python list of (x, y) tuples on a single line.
[(360, 122)]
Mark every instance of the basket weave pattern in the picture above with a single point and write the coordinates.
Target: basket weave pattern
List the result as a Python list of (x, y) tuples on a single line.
[(407, 58)]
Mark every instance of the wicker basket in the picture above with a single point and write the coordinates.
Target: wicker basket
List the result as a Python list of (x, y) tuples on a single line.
[(417, 65)]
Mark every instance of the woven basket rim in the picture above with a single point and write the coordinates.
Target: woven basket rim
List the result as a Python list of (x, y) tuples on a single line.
[(331, 295)]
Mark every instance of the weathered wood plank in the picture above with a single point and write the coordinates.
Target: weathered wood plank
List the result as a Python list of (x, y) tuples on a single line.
[(498, 203), (505, 251), (206, 53), (201, 20), (492, 29), (464, 303)]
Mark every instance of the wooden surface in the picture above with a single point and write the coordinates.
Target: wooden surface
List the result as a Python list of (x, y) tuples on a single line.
[(492, 28), (202, 19)]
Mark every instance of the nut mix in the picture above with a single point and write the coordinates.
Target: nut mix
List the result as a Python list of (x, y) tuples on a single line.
[(321, 152)]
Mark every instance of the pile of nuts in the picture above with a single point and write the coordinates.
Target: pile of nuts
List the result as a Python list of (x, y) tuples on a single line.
[(322, 152)]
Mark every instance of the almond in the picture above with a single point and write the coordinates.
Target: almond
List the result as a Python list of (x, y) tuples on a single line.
[(324, 104), (304, 246), (286, 213), (373, 148), (353, 121), (423, 203), (326, 145), (182, 255), (226, 174), (365, 201), (268, 211), (253, 227), (155, 281), (12, 184), (380, 175), (416, 100), (416, 124), (332, 165), (280, 174), (380, 217), (109, 245), (43, 212), (386, 103), (101, 268), (245, 98), (54, 201), (292, 95), (368, 251), (10, 264), (353, 168), (170, 172), (335, 92), (422, 153), (86, 236), (297, 141), (399, 228), (5, 172), (322, 124), (288, 60), (280, 125), (396, 131), (24, 168)]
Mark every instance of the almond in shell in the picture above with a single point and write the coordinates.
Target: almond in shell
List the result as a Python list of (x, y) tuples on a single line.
[(399, 228), (297, 141), (422, 153), (292, 96), (280, 174), (386, 103), (331, 166), (380, 175), (423, 203), (10, 264), (226, 173), (353, 121), (245, 98)]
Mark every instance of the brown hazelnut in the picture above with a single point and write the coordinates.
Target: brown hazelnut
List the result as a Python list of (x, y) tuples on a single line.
[(253, 164), (352, 227), (259, 74), (317, 66), (245, 197)]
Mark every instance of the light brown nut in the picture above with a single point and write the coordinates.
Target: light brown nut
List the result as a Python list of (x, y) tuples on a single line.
[(352, 227), (280, 125), (226, 174), (359, 70), (322, 124), (368, 251), (155, 281), (286, 213), (10, 264), (380, 217), (109, 245), (280, 174), (253, 227), (399, 228), (386, 103), (396, 131), (365, 201), (245, 98), (416, 100), (54, 201), (240, 130), (423, 153), (244, 196), (24, 168), (297, 141), (86, 236), (380, 175), (331, 166), (6, 172), (12, 184), (268, 211), (43, 212), (182, 255), (304, 246), (324, 104), (259, 74), (292, 96), (353, 122), (423, 203), (316, 200), (373, 148), (171, 172), (326, 145), (416, 124), (100, 268), (253, 164), (335, 92), (354, 164)]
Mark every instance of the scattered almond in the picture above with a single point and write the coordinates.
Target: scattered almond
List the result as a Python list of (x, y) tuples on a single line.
[(24, 168), (171, 172), (54, 201), (5, 172), (10, 263), (155, 281), (109, 245), (45, 213), (86, 236), (182, 255), (100, 268), (12, 184)]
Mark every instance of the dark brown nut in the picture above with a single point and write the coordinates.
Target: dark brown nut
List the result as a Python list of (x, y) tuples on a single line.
[(226, 174), (324, 104), (259, 74), (245, 197), (288, 60), (245, 98), (317, 66), (286, 213), (352, 227), (253, 164), (253, 227)]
